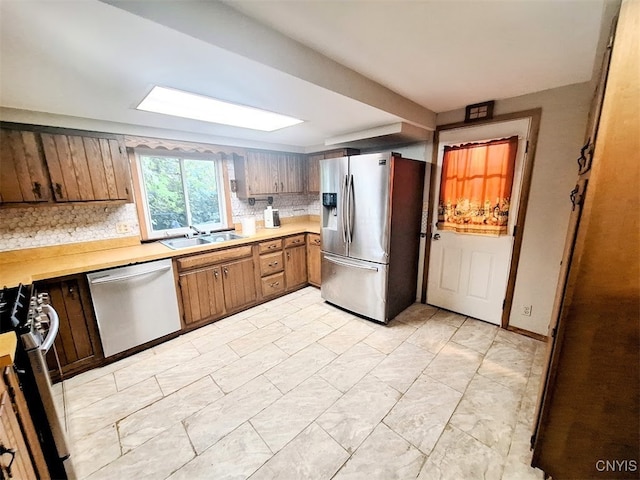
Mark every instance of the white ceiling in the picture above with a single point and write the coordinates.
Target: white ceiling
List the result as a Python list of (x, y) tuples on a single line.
[(399, 60)]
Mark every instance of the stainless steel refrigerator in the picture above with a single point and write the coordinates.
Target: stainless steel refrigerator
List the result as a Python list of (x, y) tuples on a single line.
[(371, 214)]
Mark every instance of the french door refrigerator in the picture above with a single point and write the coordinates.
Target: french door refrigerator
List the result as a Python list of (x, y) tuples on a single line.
[(371, 215)]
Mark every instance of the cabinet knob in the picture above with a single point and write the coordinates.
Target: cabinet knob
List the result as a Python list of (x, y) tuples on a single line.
[(59, 190), (226, 271), (288, 256), (215, 273)]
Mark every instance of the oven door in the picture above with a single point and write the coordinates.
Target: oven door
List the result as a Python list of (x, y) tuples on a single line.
[(57, 455)]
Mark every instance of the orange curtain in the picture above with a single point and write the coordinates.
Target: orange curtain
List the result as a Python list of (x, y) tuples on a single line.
[(475, 189)]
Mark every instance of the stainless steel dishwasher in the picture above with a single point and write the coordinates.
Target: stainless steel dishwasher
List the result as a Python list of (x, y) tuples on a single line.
[(134, 304)]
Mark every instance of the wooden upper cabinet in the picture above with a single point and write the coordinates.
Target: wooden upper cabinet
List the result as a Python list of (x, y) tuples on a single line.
[(313, 165), (313, 173), (23, 173), (290, 174), (86, 168), (267, 173)]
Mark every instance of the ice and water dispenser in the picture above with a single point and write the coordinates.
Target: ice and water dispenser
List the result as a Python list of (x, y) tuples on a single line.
[(330, 210)]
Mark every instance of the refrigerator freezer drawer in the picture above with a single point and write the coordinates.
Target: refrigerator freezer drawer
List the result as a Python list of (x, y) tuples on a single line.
[(354, 285)]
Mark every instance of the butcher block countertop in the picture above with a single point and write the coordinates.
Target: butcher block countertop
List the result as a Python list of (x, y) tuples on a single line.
[(30, 265)]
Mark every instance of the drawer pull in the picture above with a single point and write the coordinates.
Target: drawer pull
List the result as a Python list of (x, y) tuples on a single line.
[(274, 284), (273, 264), (273, 245)]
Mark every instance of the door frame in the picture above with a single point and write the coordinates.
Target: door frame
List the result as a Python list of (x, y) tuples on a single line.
[(534, 115)]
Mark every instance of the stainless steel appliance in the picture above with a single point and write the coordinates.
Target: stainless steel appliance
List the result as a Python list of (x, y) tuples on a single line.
[(371, 215), (36, 324), (134, 304)]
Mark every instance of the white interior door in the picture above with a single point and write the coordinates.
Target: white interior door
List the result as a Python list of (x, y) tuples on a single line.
[(468, 273)]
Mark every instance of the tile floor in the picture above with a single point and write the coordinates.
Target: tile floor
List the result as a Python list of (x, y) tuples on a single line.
[(298, 389)]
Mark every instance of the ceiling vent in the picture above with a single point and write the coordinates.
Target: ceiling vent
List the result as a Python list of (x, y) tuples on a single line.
[(400, 133)]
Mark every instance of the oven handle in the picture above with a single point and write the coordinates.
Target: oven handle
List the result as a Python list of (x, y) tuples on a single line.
[(54, 326)]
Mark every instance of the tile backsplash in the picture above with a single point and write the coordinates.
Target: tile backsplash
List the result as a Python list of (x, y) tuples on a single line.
[(28, 227)]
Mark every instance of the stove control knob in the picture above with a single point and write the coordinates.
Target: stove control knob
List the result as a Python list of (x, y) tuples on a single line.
[(43, 298)]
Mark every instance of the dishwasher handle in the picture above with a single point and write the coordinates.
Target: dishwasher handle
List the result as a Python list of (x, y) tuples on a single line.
[(109, 279), (54, 326)]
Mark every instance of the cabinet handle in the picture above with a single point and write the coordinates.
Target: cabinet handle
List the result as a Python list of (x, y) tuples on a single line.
[(288, 256), (59, 190), (37, 189), (11, 451), (215, 273), (281, 186), (276, 185), (272, 264), (272, 246), (274, 284), (226, 271)]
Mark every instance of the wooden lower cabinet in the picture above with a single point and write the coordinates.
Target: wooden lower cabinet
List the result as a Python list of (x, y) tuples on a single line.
[(314, 258), (239, 284), (202, 294), (17, 434), (295, 266), (77, 345), (211, 291)]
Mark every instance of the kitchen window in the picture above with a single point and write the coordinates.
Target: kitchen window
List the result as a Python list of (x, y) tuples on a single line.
[(180, 190)]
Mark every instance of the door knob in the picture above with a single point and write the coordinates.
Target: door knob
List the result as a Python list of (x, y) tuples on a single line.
[(436, 236)]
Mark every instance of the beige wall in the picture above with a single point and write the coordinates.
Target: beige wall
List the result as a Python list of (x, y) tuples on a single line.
[(562, 129)]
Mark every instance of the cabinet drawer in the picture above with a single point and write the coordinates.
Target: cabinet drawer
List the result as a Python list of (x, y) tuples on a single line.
[(271, 263), (270, 246), (314, 239), (294, 241), (213, 257), (273, 284)]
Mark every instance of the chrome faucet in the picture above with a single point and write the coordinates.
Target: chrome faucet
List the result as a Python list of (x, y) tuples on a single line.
[(197, 230)]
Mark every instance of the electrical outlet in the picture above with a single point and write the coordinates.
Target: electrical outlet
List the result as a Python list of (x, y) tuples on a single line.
[(526, 310), (123, 227)]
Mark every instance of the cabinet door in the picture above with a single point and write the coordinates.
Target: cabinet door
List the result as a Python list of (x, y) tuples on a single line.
[(260, 173), (86, 168), (313, 173), (313, 259), (239, 284), (77, 344), (11, 438), (290, 178), (202, 294), (23, 176), (295, 266)]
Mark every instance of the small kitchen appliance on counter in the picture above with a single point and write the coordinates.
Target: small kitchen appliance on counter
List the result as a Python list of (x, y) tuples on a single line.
[(271, 218)]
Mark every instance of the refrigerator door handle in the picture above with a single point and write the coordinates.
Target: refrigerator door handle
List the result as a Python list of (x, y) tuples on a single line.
[(350, 208), (343, 205), (349, 264)]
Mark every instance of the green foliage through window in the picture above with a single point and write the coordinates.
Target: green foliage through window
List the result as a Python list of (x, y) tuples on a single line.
[(181, 192)]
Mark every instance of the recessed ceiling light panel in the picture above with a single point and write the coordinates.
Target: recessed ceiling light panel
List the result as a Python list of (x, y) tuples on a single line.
[(178, 103)]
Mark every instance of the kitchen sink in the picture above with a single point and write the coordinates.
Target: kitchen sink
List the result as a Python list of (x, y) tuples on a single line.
[(222, 237), (177, 243)]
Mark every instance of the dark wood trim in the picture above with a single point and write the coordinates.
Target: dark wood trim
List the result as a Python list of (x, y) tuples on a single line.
[(535, 116), (522, 213), (527, 333), (427, 241)]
